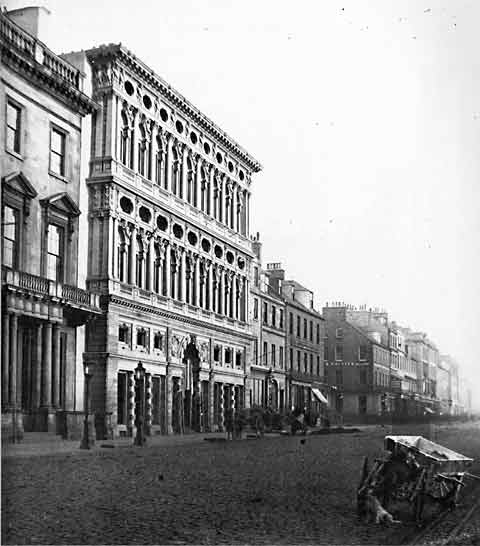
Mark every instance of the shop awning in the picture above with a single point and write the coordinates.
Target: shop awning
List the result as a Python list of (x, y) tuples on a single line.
[(319, 395)]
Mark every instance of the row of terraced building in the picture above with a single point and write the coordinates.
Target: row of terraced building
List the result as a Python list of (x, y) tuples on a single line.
[(126, 239)]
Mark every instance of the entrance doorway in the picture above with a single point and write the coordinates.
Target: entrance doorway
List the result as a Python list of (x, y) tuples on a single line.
[(192, 402)]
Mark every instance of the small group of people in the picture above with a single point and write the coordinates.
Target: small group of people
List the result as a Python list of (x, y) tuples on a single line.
[(234, 424)]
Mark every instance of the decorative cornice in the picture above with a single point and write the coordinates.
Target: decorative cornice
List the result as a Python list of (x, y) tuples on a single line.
[(173, 316), (111, 51), (24, 62)]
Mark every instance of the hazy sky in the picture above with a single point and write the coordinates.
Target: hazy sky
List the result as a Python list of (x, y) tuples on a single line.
[(366, 118)]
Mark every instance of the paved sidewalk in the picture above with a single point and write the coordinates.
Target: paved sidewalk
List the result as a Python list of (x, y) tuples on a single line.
[(73, 446)]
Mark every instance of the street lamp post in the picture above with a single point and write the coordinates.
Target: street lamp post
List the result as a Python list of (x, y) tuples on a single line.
[(85, 443), (139, 439)]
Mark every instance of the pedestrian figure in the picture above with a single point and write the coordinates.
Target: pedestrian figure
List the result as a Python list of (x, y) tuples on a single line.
[(229, 423), (258, 425), (238, 425)]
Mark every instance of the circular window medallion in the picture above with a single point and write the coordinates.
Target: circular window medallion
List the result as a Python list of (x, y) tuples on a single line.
[(162, 223), (230, 257), (126, 205), (230, 166), (219, 157), (193, 138), (145, 214), (218, 251), (192, 238), (206, 245), (241, 263), (206, 147), (241, 175), (178, 231), (179, 127), (163, 115), (129, 89), (147, 102)]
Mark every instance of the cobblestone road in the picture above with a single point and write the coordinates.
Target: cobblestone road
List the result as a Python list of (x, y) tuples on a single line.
[(266, 491)]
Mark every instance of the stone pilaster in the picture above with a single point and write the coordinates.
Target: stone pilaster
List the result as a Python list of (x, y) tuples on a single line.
[(5, 358), (13, 360), (56, 366)]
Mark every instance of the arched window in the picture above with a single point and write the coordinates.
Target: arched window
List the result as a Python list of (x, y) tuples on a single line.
[(157, 269), (122, 256), (143, 152), (189, 181), (160, 177), (140, 263), (203, 190), (126, 141), (216, 199), (175, 171)]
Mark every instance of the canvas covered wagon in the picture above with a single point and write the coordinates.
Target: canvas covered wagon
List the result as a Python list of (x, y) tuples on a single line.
[(413, 470)]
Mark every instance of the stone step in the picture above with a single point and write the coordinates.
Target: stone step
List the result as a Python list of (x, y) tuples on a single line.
[(41, 438)]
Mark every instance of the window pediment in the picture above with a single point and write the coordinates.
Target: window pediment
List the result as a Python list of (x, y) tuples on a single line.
[(18, 183), (62, 203)]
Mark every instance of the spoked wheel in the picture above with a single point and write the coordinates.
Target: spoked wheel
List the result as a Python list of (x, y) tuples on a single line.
[(445, 489)]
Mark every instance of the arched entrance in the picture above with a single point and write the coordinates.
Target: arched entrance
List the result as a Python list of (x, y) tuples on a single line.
[(192, 399)]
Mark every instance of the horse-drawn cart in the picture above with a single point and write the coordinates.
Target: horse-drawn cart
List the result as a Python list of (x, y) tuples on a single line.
[(414, 470)]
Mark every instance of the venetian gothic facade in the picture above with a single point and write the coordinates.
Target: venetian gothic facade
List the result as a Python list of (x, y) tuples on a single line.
[(169, 198)]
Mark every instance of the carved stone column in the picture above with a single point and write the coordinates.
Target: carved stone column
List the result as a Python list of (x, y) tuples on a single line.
[(211, 401), (196, 295), (135, 140), (183, 180), (210, 190), (18, 390), (151, 262), (47, 367), (151, 150), (221, 200), (114, 247), (13, 359), (222, 407), (220, 290), (183, 275), (5, 358), (226, 291), (37, 376), (133, 255), (234, 208), (168, 271), (56, 366), (197, 181), (168, 162)]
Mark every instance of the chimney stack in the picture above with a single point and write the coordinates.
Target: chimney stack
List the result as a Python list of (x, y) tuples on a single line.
[(33, 19)]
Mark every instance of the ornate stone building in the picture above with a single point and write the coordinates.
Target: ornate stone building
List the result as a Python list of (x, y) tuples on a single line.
[(44, 116), (169, 199)]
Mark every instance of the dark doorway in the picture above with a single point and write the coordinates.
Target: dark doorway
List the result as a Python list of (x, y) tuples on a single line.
[(192, 393)]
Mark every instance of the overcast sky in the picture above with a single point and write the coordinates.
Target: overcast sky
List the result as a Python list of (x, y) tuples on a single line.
[(366, 118)]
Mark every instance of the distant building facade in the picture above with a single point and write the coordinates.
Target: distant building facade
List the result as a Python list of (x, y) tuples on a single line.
[(357, 360), (306, 387), (45, 125), (267, 370), (169, 252)]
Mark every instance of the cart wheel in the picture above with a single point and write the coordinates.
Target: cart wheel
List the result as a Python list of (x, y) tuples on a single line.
[(444, 491)]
